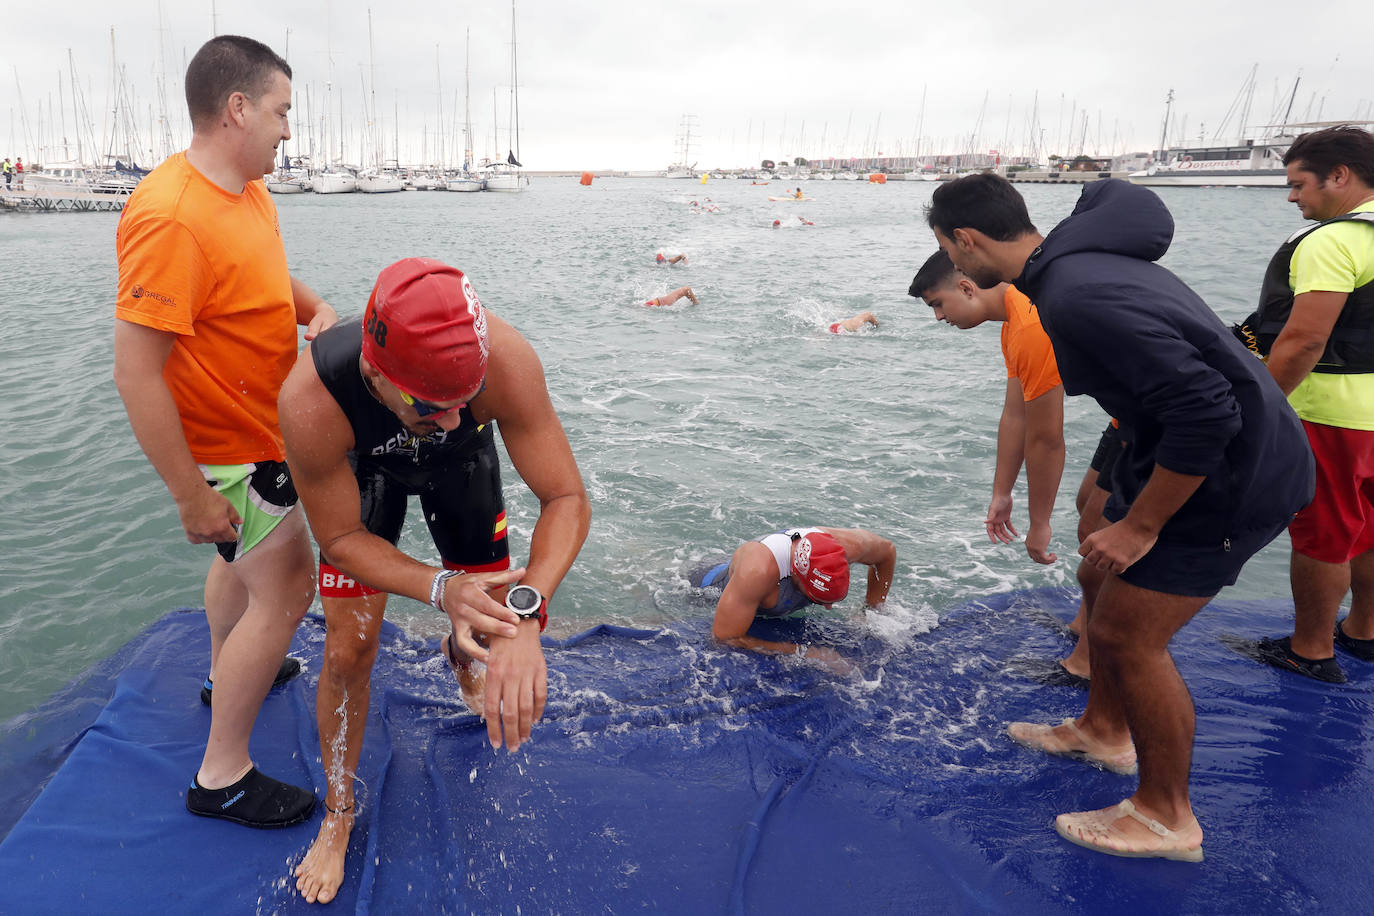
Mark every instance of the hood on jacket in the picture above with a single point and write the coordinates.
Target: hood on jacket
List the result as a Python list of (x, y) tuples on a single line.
[(1112, 216)]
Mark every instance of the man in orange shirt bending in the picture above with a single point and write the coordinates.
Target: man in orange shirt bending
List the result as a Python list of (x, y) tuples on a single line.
[(205, 333), (1032, 427)]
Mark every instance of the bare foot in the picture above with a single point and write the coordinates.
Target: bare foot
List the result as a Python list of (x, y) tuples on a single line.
[(321, 872), (472, 685), (1077, 661), (472, 682)]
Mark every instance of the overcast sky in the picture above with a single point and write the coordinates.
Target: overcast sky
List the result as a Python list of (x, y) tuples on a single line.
[(608, 84)]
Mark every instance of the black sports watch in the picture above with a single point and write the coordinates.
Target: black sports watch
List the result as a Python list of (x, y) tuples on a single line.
[(528, 603)]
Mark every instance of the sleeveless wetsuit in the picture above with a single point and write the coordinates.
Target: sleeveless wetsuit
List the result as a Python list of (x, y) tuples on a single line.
[(790, 597), (456, 473)]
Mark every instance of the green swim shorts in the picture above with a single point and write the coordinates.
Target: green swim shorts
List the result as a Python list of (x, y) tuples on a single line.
[(262, 493)]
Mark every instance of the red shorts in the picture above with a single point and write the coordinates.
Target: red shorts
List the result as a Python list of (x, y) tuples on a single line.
[(1339, 523)]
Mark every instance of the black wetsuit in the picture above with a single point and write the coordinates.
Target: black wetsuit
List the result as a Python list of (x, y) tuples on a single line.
[(456, 473)]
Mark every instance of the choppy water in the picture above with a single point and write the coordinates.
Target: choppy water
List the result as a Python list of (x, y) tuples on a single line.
[(695, 426)]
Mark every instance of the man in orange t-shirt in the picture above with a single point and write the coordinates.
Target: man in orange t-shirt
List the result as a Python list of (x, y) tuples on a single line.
[(1031, 429), (205, 333), (1032, 425)]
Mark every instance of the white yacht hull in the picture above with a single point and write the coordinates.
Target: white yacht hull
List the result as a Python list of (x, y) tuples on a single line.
[(380, 184), (466, 185), (290, 186), (333, 183), (1238, 178), (508, 182)]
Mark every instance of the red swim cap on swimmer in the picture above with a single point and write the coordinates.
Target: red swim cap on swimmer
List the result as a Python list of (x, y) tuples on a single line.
[(425, 330), (820, 567), (777, 222), (659, 257)]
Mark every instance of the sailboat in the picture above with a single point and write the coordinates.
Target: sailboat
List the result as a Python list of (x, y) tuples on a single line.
[(466, 180), (684, 167), (334, 178), (379, 179), (506, 176)]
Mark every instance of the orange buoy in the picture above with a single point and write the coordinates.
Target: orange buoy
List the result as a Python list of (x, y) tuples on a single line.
[(586, 179), (878, 178)]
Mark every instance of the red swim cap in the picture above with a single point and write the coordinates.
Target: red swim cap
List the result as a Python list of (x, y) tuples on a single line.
[(820, 567), (777, 222), (425, 330)]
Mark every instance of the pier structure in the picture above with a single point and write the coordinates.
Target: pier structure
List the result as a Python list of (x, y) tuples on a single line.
[(63, 200)]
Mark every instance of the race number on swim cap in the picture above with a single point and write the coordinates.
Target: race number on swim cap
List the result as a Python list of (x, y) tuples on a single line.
[(426, 331)]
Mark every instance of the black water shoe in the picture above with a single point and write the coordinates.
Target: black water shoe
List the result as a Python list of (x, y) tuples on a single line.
[(256, 800), (1280, 654), (290, 667), (1363, 649)]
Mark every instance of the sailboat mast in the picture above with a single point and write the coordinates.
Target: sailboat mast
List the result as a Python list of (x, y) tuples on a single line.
[(514, 84), (372, 128), (467, 104), (440, 84)]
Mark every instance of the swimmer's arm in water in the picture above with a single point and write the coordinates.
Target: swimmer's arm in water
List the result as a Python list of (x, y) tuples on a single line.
[(876, 552), (675, 295), (858, 321)]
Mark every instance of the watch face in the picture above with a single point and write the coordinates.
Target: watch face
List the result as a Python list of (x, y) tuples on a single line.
[(523, 599)]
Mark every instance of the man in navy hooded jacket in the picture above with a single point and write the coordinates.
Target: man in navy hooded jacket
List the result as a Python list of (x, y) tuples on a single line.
[(1215, 465)]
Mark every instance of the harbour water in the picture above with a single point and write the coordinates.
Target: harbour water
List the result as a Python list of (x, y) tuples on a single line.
[(695, 427)]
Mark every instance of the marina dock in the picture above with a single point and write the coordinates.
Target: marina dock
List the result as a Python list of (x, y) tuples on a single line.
[(62, 200)]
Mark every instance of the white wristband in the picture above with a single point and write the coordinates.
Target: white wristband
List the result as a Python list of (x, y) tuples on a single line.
[(436, 588)]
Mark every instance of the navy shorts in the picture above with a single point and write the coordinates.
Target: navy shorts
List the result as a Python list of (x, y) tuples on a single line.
[(1109, 448), (1199, 571)]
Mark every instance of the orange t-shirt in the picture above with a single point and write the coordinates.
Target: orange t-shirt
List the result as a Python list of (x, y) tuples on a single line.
[(209, 266), (1026, 348)]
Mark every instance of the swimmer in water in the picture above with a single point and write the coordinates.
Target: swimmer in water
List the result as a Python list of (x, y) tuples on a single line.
[(853, 324), (780, 573), (661, 258), (675, 295)]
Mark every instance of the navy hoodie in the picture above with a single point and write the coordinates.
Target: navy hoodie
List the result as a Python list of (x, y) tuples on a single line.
[(1187, 394)]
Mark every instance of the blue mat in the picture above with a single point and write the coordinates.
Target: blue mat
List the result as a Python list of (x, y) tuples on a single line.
[(672, 776)]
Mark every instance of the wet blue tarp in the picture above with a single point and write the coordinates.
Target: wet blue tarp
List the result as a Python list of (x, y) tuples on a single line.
[(670, 775)]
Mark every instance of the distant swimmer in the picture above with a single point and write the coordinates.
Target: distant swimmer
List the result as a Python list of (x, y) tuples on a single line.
[(784, 572), (853, 324), (675, 295), (661, 258)]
